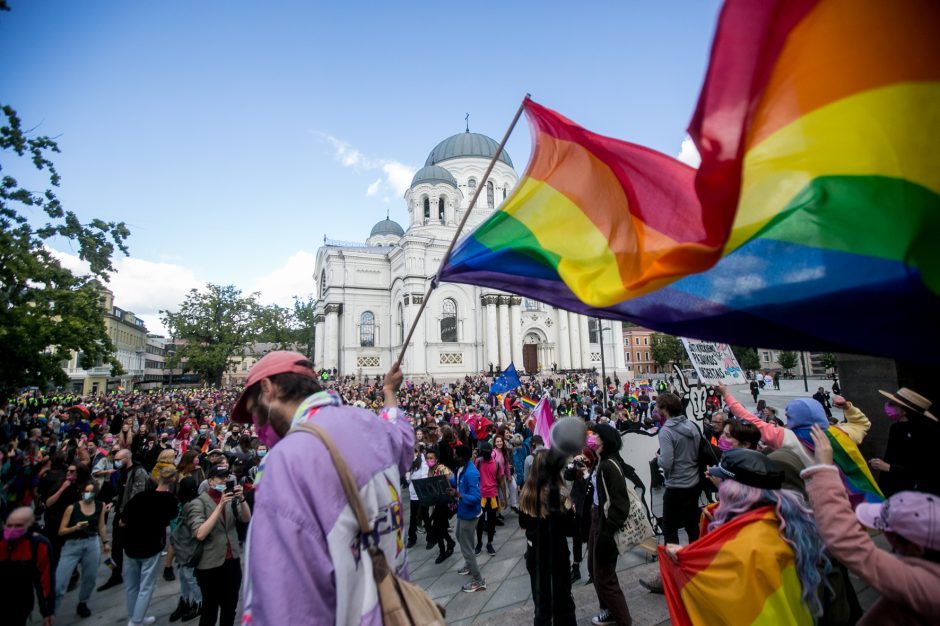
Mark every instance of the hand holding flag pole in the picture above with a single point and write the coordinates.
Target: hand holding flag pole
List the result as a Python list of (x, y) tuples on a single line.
[(463, 222)]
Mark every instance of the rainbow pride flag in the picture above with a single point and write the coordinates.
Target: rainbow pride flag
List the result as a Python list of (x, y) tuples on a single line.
[(859, 483), (817, 200), (741, 573), (529, 402)]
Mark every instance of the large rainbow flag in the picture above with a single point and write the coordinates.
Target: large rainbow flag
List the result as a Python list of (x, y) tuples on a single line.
[(740, 573), (859, 483), (811, 222)]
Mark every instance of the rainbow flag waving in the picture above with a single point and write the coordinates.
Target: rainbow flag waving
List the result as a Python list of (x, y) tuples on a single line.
[(818, 193), (859, 483), (529, 402), (741, 573)]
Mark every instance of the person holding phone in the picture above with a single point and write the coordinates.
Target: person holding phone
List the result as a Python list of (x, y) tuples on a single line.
[(82, 527), (212, 517)]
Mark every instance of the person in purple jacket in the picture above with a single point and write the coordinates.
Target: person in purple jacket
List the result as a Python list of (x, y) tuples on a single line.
[(304, 560)]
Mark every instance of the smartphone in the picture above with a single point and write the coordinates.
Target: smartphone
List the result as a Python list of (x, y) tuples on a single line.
[(83, 523), (230, 485)]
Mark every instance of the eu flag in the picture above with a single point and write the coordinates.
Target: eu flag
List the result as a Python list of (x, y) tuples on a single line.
[(506, 381)]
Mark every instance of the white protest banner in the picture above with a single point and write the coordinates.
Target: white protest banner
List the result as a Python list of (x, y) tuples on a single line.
[(714, 362)]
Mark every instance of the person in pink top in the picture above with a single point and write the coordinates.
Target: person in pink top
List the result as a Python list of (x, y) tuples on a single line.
[(491, 476), (909, 579)]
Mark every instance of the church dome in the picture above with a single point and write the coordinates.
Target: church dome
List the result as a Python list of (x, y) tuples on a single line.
[(387, 227), (466, 144), (433, 174)]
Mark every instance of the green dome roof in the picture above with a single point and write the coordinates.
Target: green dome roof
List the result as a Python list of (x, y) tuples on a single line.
[(387, 227), (466, 145), (433, 174)]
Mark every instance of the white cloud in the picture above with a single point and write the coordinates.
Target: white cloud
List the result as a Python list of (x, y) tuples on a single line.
[(373, 189), (144, 287), (397, 175), (688, 153), (293, 278)]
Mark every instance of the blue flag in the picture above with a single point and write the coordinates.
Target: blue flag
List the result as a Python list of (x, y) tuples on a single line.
[(506, 381)]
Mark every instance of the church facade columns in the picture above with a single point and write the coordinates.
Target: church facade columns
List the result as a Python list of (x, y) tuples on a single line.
[(504, 344), (564, 340), (418, 341), (616, 342), (574, 335), (318, 339), (491, 344), (331, 345), (586, 362), (515, 329)]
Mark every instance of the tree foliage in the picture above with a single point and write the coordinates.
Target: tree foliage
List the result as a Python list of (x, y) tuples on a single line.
[(747, 358), (666, 349), (305, 329), (214, 324), (829, 361), (788, 359), (288, 328), (46, 312)]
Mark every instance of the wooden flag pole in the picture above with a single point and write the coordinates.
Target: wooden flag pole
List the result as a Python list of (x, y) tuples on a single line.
[(463, 222)]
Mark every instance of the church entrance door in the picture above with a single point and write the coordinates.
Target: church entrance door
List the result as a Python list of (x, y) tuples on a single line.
[(530, 357)]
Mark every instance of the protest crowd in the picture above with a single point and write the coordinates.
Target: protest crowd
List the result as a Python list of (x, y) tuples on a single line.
[(169, 483)]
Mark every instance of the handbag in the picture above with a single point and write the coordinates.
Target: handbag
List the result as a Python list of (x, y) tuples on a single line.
[(403, 604), (636, 529)]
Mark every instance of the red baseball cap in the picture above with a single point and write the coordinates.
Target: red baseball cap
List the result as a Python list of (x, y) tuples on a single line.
[(271, 364)]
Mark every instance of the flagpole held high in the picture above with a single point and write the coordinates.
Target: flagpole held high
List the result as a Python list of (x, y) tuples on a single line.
[(463, 222)]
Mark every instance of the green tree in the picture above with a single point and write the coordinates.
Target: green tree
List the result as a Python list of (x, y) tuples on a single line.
[(788, 359), (276, 324), (47, 312), (828, 360), (747, 358), (666, 349), (215, 323), (305, 327)]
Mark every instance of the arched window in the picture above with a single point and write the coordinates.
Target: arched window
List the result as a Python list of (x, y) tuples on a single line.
[(449, 321), (323, 284), (427, 208), (367, 329), (401, 324), (440, 209), (594, 330), (490, 198), (472, 186)]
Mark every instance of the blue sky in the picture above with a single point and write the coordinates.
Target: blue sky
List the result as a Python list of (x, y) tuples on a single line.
[(231, 136)]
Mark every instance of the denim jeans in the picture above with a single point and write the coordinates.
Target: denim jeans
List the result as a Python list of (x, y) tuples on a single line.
[(86, 552), (140, 578), (189, 586)]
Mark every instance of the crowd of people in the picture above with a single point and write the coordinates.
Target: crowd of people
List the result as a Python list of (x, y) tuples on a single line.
[(212, 488)]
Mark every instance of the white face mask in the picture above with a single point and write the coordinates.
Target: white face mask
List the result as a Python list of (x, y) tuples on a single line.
[(87, 496)]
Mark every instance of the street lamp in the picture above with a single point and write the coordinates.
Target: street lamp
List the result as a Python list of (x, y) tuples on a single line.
[(600, 334)]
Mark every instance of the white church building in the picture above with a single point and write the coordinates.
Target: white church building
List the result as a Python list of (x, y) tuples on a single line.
[(369, 293)]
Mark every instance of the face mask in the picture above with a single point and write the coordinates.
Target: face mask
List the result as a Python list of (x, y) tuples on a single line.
[(592, 442), (12, 534), (262, 452), (267, 434), (724, 444), (87, 496), (119, 464), (202, 431), (219, 488), (894, 413), (432, 463)]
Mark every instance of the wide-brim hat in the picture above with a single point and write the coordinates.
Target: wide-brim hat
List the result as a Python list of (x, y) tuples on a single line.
[(911, 400)]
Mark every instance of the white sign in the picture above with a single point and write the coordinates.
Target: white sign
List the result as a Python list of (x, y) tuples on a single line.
[(714, 362)]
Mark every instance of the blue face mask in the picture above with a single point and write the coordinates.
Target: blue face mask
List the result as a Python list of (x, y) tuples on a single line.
[(262, 452), (219, 488), (87, 496)]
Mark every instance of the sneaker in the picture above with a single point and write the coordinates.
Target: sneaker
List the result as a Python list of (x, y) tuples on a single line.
[(168, 574), (490, 549), (474, 585), (150, 619), (83, 610), (603, 618), (114, 581), (464, 571), (195, 610), (411, 543), (181, 608), (428, 545), (441, 558), (478, 549), (422, 530), (653, 585)]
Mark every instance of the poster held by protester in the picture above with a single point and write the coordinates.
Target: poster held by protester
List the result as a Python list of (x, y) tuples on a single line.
[(432, 490), (714, 362)]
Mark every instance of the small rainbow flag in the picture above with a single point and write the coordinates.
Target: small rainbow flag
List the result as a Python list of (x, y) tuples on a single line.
[(819, 187), (741, 573), (859, 483), (529, 402)]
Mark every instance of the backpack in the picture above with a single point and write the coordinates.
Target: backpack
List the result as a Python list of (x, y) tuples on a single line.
[(402, 603), (187, 550)]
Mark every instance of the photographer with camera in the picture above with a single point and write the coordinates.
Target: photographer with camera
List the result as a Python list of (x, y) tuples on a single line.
[(212, 518)]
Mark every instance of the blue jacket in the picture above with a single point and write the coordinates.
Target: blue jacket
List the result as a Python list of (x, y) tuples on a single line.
[(519, 454), (468, 507)]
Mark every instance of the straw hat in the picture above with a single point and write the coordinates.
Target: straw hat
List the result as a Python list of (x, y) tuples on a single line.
[(910, 400)]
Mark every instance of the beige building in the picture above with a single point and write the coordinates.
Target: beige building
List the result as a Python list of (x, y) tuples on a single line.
[(129, 336), (239, 365), (637, 351)]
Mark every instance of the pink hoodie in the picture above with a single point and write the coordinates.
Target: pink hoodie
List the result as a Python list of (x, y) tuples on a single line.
[(909, 587)]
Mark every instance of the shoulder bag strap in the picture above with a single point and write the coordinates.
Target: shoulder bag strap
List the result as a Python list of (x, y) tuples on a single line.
[(345, 476)]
